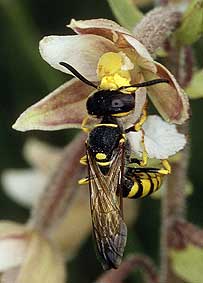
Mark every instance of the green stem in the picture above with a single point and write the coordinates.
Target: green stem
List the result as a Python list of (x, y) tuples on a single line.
[(173, 208), (174, 200)]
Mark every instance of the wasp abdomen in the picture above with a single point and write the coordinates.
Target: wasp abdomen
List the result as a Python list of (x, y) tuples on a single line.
[(141, 184)]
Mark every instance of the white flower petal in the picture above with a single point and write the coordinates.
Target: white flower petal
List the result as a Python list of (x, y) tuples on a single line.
[(24, 186), (143, 59), (80, 51), (161, 139), (141, 50), (12, 252)]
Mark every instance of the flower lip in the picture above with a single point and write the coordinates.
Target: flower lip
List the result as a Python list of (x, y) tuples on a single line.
[(161, 139)]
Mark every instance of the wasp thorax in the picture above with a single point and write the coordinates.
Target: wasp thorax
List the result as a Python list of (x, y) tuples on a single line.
[(103, 140)]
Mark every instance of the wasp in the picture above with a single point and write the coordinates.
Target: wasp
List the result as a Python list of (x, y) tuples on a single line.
[(110, 177)]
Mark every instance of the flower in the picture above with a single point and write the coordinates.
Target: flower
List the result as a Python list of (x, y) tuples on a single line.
[(29, 253), (25, 186), (110, 56), (50, 181), (161, 139)]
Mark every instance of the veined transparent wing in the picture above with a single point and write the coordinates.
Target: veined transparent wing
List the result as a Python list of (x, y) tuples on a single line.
[(109, 229)]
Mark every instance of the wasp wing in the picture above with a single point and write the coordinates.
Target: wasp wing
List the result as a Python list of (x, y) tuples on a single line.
[(109, 229)]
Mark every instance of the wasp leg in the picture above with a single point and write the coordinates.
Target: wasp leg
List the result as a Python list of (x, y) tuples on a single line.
[(83, 160), (166, 169), (142, 119), (137, 161), (84, 181), (144, 152), (83, 126), (138, 127)]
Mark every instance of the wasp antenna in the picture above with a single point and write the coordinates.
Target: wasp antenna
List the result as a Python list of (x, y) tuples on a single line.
[(77, 74), (147, 83)]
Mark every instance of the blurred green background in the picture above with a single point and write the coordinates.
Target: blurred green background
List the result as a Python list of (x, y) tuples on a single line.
[(26, 78)]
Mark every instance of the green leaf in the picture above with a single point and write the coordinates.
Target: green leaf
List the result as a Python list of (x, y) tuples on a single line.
[(192, 23), (188, 263), (195, 88), (125, 12)]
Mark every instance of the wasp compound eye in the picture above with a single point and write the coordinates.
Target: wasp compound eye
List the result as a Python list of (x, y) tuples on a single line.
[(117, 103)]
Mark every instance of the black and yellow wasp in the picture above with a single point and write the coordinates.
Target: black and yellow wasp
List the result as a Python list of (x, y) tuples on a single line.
[(110, 176)]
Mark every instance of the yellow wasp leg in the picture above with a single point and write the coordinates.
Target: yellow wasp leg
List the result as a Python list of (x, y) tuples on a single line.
[(166, 167), (83, 126), (123, 139), (83, 181), (83, 160), (138, 127), (143, 162), (142, 119)]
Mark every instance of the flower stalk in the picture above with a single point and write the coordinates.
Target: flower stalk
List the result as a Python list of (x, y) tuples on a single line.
[(156, 26), (174, 198), (61, 189), (133, 262), (173, 209)]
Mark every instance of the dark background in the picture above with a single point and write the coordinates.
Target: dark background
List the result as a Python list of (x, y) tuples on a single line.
[(26, 78)]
